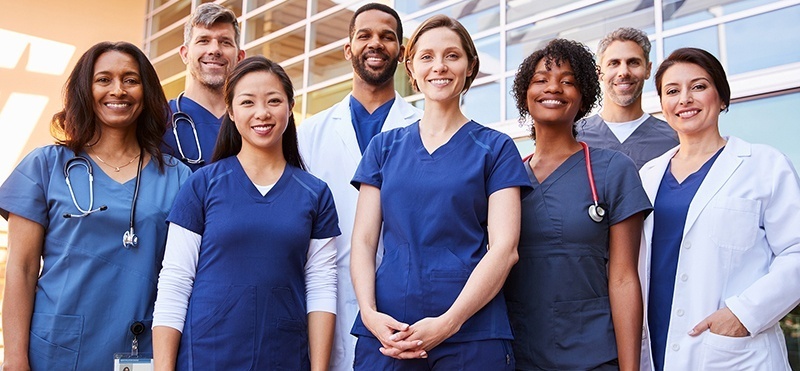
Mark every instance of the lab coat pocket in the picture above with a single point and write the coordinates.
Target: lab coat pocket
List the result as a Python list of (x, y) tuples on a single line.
[(288, 340), (726, 353), (736, 222), (583, 329), (223, 323), (55, 341)]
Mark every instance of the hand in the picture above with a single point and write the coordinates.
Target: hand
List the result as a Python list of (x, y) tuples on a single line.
[(428, 332), (391, 333), (722, 322)]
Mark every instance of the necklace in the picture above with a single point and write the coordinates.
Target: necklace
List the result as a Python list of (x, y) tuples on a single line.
[(116, 168)]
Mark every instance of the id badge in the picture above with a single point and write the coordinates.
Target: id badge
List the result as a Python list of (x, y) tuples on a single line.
[(129, 362)]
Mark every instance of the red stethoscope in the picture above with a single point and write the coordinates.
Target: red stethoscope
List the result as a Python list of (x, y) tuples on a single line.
[(596, 212)]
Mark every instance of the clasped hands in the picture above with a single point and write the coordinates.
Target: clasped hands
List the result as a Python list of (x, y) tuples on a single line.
[(403, 341)]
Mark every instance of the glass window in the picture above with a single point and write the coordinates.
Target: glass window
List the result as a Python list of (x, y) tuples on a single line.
[(405, 7), (511, 104), (275, 18), (705, 38), (481, 103), (331, 28), (318, 6), (679, 13), (174, 88), (771, 120), (235, 6), (283, 47), (166, 42), (489, 54), (325, 98), (169, 67), (173, 13), (295, 72), (749, 50), (328, 65), (297, 111), (476, 16), (520, 9)]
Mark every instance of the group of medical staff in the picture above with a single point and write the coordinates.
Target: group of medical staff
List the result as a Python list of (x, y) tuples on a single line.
[(210, 232)]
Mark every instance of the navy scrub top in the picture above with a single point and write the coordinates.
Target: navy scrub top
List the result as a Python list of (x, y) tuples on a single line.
[(557, 294), (207, 126)]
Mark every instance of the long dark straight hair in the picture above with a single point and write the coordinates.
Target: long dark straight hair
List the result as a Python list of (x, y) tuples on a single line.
[(76, 125), (229, 141)]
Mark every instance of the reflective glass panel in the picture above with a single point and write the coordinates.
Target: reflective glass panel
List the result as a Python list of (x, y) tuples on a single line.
[(318, 6), (298, 110), (173, 89), (331, 28), (511, 104), (166, 42), (173, 13), (679, 13), (705, 39), (749, 50), (489, 55), (325, 98), (328, 65), (169, 67), (405, 7), (282, 48), (482, 103), (295, 72), (235, 5), (274, 19), (770, 121), (476, 16)]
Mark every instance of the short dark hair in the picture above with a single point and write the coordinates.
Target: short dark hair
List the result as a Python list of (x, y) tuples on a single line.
[(380, 7), (229, 140), (704, 60), (443, 21), (557, 51), (76, 125)]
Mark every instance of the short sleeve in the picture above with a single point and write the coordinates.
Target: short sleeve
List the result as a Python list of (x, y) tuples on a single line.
[(23, 193), (326, 224), (369, 169), (188, 209), (508, 170), (624, 192)]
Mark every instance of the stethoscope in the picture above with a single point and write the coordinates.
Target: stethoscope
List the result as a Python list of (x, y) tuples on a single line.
[(129, 238), (596, 212), (177, 117)]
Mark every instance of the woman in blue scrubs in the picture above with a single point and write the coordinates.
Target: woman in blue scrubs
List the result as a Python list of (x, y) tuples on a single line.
[(574, 298), (78, 311), (249, 278), (446, 192)]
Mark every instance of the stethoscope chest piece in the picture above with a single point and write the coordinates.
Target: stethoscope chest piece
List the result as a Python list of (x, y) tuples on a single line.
[(130, 239), (596, 212)]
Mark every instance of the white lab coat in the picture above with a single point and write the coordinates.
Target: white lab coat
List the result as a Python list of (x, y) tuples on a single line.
[(330, 149), (741, 250)]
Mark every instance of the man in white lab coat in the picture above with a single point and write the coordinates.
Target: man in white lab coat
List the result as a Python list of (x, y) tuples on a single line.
[(332, 141)]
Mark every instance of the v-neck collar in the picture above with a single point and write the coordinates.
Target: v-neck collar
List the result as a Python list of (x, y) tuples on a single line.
[(560, 171), (251, 189), (445, 148)]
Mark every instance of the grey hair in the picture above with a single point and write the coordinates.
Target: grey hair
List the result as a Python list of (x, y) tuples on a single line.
[(625, 34), (207, 15)]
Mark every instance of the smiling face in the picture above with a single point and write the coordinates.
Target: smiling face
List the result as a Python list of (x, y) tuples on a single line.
[(689, 100), (553, 97), (623, 71), (374, 48), (261, 110), (439, 65), (211, 54), (117, 89)]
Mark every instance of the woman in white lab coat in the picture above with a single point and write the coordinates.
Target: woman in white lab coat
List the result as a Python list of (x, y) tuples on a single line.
[(720, 262)]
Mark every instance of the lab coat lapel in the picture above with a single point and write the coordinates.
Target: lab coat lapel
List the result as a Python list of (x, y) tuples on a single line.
[(343, 124), (722, 170), (652, 173), (399, 115)]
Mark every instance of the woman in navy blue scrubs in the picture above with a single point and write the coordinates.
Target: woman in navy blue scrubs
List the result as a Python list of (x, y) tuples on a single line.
[(575, 270), (446, 191), (249, 277)]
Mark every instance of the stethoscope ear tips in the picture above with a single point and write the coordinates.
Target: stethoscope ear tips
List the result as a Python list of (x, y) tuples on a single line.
[(596, 212)]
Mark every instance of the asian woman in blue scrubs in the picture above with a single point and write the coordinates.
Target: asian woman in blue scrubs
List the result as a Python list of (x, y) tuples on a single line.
[(445, 191), (78, 311), (249, 278), (574, 297)]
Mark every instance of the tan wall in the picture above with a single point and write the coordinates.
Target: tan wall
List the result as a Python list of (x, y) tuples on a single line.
[(79, 23)]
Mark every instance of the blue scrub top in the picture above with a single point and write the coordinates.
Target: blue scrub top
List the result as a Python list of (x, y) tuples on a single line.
[(651, 139), (434, 213), (91, 289), (247, 309), (207, 126), (557, 293)]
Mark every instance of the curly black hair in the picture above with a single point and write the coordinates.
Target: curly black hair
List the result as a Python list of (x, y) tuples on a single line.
[(580, 58)]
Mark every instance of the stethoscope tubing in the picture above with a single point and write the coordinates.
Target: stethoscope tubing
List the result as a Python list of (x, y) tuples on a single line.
[(177, 117)]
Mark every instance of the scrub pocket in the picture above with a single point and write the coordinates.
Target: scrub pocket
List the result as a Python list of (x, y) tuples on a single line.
[(288, 339), (223, 327), (55, 341), (725, 353), (448, 275), (583, 331), (736, 222)]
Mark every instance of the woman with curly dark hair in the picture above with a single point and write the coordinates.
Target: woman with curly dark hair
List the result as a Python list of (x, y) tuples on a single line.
[(92, 209), (576, 269)]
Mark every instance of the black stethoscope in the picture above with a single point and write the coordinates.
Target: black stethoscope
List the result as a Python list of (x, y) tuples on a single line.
[(596, 212), (129, 238), (177, 117)]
